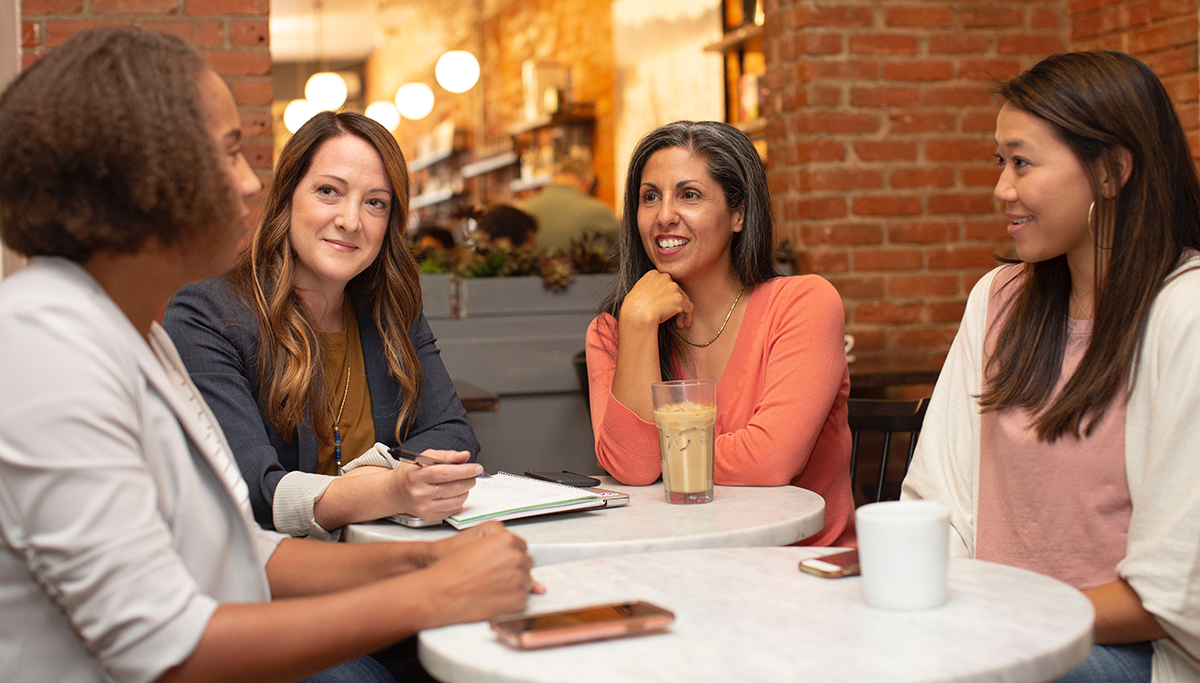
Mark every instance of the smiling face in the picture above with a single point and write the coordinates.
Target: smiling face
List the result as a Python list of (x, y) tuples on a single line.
[(339, 215), (1044, 189), (685, 225)]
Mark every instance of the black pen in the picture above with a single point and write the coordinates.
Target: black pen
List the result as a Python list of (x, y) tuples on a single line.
[(411, 458), (404, 455)]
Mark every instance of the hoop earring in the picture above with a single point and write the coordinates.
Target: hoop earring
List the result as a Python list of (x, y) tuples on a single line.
[(1091, 211)]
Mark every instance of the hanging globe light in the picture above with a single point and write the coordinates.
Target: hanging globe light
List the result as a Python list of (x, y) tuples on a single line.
[(457, 71), (384, 113), (297, 113), (414, 100), (326, 90)]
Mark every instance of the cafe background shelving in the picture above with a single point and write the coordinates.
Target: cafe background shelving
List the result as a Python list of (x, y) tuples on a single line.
[(745, 67)]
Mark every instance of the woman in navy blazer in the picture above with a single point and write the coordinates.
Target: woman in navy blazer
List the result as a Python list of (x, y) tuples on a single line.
[(272, 345)]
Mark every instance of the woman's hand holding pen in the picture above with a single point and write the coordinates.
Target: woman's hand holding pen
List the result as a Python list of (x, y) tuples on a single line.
[(434, 492)]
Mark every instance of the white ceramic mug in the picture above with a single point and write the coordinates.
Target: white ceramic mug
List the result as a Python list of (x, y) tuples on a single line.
[(903, 548)]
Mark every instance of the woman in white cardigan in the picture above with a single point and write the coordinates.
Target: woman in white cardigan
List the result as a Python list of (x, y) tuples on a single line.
[(130, 552), (1063, 430)]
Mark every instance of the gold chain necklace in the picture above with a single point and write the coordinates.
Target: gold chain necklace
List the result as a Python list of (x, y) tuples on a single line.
[(337, 433), (1081, 308), (723, 324)]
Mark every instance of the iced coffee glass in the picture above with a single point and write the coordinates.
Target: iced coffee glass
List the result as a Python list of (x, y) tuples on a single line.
[(685, 412)]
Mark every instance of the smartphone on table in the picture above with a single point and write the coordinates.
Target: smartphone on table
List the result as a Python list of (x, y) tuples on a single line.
[(598, 622), (832, 566)]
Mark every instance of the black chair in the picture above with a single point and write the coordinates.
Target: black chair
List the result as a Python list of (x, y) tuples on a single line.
[(580, 363), (869, 415)]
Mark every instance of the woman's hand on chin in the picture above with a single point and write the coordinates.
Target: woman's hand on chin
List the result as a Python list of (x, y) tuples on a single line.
[(655, 299), (435, 492)]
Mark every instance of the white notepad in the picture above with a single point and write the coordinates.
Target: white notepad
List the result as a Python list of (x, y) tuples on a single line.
[(509, 496)]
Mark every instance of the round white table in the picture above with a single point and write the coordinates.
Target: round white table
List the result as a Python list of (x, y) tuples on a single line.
[(748, 614), (739, 516)]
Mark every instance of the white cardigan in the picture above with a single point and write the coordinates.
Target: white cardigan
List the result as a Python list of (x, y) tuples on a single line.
[(1162, 460), (125, 521)]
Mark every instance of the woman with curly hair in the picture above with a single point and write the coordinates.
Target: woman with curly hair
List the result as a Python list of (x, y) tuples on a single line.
[(130, 552)]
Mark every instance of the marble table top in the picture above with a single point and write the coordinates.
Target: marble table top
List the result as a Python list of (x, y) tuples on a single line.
[(739, 516), (748, 614)]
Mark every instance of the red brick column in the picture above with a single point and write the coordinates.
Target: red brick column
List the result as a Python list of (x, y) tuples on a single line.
[(879, 153), (232, 34), (1162, 33)]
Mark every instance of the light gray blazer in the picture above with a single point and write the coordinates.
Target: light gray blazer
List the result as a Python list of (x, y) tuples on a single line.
[(124, 519)]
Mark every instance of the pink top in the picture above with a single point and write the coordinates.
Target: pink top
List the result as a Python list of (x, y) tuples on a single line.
[(781, 404), (1058, 509)]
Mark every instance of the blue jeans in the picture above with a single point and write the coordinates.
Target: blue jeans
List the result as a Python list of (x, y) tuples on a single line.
[(361, 670), (1114, 664), (396, 663)]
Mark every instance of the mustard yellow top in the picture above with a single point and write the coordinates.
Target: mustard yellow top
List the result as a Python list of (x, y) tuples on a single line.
[(357, 426)]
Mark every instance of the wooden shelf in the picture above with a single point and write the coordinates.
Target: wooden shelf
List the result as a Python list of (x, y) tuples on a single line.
[(735, 38), (489, 164), (430, 198), (752, 128), (428, 160), (572, 116), (520, 184)]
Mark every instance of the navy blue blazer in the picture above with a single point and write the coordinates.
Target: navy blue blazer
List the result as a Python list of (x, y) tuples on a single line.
[(217, 337)]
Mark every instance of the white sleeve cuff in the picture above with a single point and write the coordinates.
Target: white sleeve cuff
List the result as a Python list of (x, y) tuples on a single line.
[(293, 511), (376, 456)]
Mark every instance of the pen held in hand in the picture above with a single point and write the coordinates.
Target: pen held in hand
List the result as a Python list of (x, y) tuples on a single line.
[(411, 458), (405, 455)]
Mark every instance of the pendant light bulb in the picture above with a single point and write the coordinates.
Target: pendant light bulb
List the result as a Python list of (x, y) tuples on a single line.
[(414, 100), (297, 113), (384, 113), (457, 71), (327, 90)]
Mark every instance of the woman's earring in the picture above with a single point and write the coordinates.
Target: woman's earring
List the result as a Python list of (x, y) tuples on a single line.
[(1091, 210)]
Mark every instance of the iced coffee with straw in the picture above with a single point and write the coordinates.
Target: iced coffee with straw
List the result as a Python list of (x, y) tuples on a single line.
[(685, 413)]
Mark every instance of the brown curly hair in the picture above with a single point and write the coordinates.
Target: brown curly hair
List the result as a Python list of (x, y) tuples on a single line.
[(291, 361), (105, 147)]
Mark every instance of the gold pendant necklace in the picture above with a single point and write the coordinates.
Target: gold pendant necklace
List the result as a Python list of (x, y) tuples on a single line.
[(1081, 308), (337, 433), (723, 324)]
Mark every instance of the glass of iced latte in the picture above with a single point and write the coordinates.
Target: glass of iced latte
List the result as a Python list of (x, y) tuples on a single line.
[(685, 412)]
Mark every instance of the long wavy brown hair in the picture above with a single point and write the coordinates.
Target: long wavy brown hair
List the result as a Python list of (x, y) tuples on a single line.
[(291, 362), (1098, 103)]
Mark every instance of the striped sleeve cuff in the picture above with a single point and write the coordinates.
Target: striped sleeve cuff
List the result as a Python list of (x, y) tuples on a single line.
[(293, 507), (376, 456)]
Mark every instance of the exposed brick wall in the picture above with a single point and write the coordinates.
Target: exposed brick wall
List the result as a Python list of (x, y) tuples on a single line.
[(1162, 33), (880, 148), (232, 35)]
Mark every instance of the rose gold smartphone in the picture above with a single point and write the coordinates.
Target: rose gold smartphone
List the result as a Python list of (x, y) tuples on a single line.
[(580, 625), (832, 566)]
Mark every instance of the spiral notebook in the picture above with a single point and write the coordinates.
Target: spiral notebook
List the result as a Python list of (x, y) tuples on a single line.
[(510, 496)]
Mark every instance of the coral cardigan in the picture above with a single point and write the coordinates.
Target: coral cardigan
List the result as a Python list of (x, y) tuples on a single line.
[(781, 404)]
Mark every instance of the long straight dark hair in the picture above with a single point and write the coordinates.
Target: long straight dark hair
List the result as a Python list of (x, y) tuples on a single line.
[(733, 162), (291, 360), (1098, 103)]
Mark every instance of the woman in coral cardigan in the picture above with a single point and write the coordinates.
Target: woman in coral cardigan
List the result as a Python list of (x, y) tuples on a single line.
[(698, 298)]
